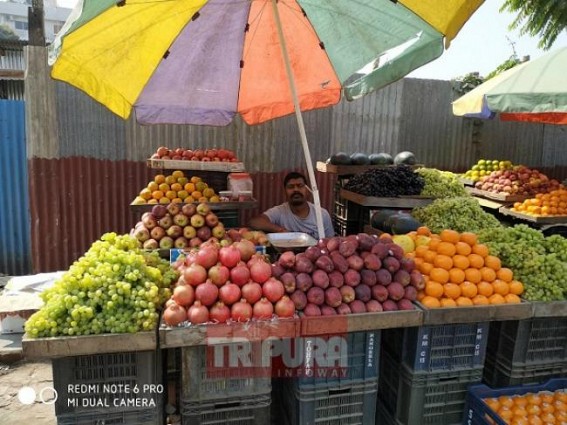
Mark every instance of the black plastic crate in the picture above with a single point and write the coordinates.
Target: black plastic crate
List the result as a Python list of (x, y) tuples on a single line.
[(351, 358), (497, 374), (230, 411), (346, 227), (201, 379), (88, 383), (424, 397), (230, 218), (151, 416), (530, 342), (477, 412), (439, 347), (331, 404)]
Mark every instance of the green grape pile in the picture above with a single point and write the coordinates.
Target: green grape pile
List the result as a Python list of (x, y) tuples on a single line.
[(463, 214), (113, 288), (539, 262), (441, 184)]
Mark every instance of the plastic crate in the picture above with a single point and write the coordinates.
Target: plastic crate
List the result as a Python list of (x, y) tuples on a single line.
[(231, 411), (424, 397), (531, 342), (477, 411), (331, 404), (83, 383), (151, 416), (497, 374), (359, 352), (346, 227), (440, 347), (201, 381)]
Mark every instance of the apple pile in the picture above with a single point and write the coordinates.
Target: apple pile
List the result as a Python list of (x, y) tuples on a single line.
[(221, 284), (178, 226), (353, 274), (520, 180), (179, 154)]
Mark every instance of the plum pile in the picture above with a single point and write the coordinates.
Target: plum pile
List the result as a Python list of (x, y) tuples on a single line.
[(354, 274), (387, 182)]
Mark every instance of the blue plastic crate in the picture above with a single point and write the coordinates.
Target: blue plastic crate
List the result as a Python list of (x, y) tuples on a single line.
[(439, 347), (358, 351), (477, 412)]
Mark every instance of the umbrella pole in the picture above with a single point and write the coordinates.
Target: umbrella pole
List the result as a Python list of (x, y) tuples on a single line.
[(303, 136)]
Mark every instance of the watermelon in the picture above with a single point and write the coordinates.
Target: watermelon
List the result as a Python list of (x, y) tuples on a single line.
[(340, 158), (381, 158), (405, 157), (359, 158)]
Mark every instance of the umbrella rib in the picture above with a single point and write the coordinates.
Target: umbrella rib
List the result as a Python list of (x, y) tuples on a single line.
[(252, 36)]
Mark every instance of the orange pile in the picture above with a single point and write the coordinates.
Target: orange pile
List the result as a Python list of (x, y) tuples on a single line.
[(176, 188), (544, 204), (459, 271), (541, 408)]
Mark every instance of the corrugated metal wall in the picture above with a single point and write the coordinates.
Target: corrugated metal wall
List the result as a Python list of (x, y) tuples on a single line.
[(15, 245), (83, 179)]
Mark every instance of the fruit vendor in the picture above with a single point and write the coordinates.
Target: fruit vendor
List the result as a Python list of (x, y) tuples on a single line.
[(294, 215)]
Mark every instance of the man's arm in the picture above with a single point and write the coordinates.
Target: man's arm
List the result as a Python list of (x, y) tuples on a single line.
[(263, 223)]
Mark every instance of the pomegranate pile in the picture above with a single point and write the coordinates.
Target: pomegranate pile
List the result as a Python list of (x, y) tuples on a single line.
[(219, 284), (353, 274)]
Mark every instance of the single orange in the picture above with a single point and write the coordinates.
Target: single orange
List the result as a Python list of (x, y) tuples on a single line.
[(429, 256), (448, 302), (461, 261), (480, 300), (493, 262), (469, 238), (420, 251), (420, 294), (463, 248), (473, 275), (170, 179), (448, 235), (176, 187), (439, 275), (468, 289), (512, 299), (446, 248), (164, 201), (506, 401), (488, 274), (159, 178), (519, 411), (189, 199), (534, 420), (533, 409), (164, 187), (423, 230), (171, 194), (430, 302), (434, 243), (178, 174), (456, 275), (451, 290), (505, 274), (464, 302), (485, 288), (476, 261), (157, 194), (546, 397), (501, 287), (434, 289), (496, 299), (152, 201), (548, 418), (534, 399), (480, 249), (153, 186), (443, 261), (425, 268), (189, 187)]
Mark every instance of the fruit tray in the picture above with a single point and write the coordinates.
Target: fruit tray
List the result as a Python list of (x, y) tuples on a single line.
[(439, 316), (170, 164), (504, 197), (466, 182), (477, 412), (399, 202), (352, 169), (535, 219), (38, 348)]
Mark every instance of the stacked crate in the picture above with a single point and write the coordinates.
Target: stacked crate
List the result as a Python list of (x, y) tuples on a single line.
[(527, 351), (348, 217), (348, 397), (119, 388), (225, 393), (425, 373)]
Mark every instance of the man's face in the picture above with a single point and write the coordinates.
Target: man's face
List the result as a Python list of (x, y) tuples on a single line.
[(296, 191)]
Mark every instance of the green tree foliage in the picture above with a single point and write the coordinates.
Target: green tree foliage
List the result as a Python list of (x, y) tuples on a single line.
[(6, 33), (545, 19)]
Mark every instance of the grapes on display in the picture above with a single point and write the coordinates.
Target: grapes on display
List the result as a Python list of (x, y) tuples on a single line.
[(441, 184), (539, 262), (115, 287)]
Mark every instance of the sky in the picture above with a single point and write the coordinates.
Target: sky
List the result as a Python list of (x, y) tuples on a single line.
[(481, 46)]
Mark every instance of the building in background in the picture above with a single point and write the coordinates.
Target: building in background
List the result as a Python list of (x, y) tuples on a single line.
[(14, 14)]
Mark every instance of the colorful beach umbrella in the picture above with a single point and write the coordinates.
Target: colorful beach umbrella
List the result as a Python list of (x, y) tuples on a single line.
[(202, 62), (534, 91)]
